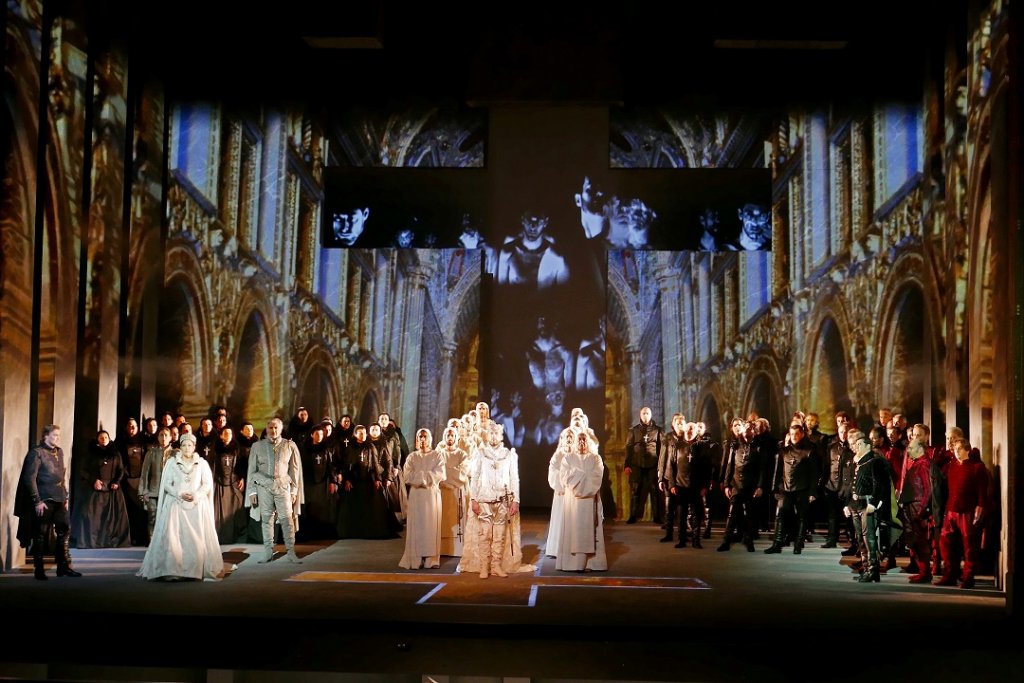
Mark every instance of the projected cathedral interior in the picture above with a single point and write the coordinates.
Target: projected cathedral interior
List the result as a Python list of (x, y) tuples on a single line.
[(181, 254)]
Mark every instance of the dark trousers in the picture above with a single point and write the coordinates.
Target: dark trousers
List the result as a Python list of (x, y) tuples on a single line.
[(741, 516), (56, 515), (645, 485), (687, 502), (865, 525), (833, 509), (791, 515)]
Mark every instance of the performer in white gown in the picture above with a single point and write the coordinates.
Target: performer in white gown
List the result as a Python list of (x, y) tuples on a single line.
[(566, 444), (423, 472), (494, 525), (184, 543), (454, 494), (581, 545)]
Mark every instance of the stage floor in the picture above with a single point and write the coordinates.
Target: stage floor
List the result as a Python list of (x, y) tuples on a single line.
[(349, 608)]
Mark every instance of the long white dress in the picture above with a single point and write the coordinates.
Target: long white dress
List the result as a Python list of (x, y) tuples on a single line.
[(184, 542), (454, 501), (423, 472), (581, 545), (555, 525)]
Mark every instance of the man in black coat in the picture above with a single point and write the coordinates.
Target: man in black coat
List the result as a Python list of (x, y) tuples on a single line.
[(42, 500), (742, 482), (643, 447), (796, 479)]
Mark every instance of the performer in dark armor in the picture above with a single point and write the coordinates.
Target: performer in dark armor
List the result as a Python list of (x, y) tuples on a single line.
[(42, 501)]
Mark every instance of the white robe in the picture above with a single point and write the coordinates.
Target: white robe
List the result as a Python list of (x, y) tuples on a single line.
[(423, 472), (555, 525), (184, 542), (454, 501), (581, 545)]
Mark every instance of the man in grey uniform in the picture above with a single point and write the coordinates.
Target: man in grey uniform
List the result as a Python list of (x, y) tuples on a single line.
[(274, 487)]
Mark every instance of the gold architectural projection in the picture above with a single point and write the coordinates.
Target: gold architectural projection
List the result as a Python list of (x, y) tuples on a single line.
[(886, 285)]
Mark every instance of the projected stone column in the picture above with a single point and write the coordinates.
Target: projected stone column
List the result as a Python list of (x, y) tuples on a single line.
[(416, 293), (668, 280)]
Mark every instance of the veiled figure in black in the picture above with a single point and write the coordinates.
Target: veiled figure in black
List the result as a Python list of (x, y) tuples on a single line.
[(100, 518), (229, 468), (363, 511), (319, 516)]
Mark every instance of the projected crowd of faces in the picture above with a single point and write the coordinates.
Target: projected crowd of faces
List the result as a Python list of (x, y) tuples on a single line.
[(619, 222)]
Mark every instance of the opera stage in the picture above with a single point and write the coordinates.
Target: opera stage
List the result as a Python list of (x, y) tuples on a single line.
[(659, 613)]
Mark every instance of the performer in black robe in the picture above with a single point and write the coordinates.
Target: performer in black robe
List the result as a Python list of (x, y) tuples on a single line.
[(246, 437), (100, 519), (206, 442), (299, 426), (363, 512), (132, 446), (318, 472), (230, 467)]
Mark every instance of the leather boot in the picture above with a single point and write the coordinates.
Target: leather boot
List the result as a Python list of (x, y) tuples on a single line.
[(801, 537), (696, 536), (780, 535), (63, 554), (871, 569), (483, 550), (498, 550), (37, 558)]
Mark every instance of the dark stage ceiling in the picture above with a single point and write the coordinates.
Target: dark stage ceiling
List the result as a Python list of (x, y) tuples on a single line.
[(529, 51)]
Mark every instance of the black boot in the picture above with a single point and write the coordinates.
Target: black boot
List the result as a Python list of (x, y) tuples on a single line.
[(780, 537), (696, 537), (801, 537), (37, 559), (63, 554), (871, 569)]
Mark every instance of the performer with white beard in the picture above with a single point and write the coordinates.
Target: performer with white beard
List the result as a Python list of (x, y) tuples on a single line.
[(454, 494), (494, 501), (566, 444), (581, 545), (423, 472), (274, 488)]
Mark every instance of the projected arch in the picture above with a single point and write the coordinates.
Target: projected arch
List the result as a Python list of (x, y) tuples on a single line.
[(252, 397), (183, 373), (829, 383)]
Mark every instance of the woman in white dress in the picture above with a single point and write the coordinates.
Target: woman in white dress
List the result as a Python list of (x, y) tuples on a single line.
[(423, 472), (581, 546), (184, 543)]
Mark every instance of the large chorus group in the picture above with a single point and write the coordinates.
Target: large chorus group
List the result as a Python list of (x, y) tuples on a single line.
[(185, 493)]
